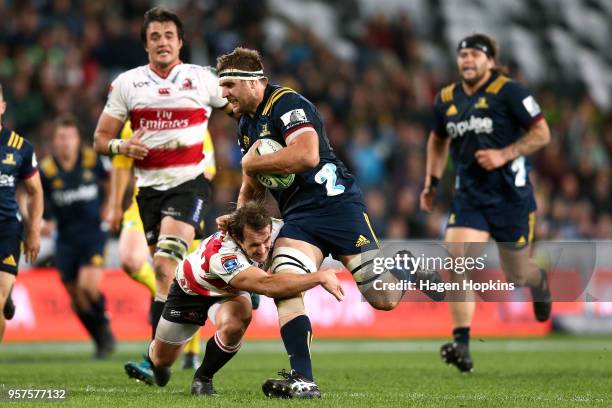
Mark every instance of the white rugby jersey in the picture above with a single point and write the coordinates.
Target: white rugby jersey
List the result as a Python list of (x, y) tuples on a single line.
[(208, 270), (174, 112)]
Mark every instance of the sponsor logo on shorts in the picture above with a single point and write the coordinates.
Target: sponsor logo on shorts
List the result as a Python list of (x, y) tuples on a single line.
[(198, 210), (361, 241), (9, 260), (230, 263), (175, 313)]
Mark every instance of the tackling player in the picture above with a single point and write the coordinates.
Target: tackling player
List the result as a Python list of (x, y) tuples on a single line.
[(490, 123), (72, 179), (168, 104), (17, 163), (133, 251), (215, 280), (323, 209)]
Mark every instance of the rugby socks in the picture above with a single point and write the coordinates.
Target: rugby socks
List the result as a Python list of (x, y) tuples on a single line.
[(462, 335), (94, 319), (296, 335), (193, 345), (157, 307), (146, 277), (216, 356)]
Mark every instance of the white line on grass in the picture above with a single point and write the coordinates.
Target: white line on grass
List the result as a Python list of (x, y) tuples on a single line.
[(340, 346)]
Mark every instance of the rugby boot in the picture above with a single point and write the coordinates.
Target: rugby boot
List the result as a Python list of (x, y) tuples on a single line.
[(291, 385), (457, 354)]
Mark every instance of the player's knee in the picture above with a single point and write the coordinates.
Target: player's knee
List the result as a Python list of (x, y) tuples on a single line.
[(164, 270), (131, 262), (231, 332), (384, 304)]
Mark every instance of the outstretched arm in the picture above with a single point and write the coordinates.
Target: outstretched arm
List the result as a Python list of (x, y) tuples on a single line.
[(286, 285)]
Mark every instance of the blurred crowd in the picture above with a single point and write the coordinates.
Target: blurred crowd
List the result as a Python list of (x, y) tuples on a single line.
[(60, 56)]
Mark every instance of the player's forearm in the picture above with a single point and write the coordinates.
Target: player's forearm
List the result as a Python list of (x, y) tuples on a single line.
[(119, 180), (101, 140), (250, 190), (437, 154), (536, 138), (289, 284), (35, 208), (286, 161)]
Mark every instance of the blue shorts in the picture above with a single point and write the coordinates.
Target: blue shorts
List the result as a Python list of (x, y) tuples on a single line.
[(343, 229), (11, 237), (71, 255), (512, 223)]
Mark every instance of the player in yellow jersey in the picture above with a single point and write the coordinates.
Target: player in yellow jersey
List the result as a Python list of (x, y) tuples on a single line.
[(133, 249)]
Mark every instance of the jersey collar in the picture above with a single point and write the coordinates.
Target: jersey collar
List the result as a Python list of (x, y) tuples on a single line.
[(267, 92), (482, 87), (161, 75)]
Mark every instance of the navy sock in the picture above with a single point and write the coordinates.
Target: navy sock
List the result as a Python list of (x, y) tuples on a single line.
[(215, 357), (462, 335), (296, 335), (157, 308)]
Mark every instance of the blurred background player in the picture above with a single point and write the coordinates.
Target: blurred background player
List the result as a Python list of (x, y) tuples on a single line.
[(490, 123), (323, 210), (168, 104), (236, 263), (133, 250), (17, 164), (74, 179)]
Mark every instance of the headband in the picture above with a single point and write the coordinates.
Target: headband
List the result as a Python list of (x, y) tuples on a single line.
[(241, 74), (478, 42)]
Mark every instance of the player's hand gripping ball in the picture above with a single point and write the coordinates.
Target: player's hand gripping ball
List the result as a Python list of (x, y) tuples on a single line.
[(273, 181)]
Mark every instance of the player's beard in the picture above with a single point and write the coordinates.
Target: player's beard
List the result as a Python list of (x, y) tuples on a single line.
[(474, 79)]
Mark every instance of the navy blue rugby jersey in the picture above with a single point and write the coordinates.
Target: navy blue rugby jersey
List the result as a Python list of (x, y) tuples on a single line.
[(17, 162), (74, 198), (281, 113), (492, 118)]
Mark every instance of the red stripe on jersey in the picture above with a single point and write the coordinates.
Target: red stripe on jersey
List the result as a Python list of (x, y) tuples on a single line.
[(191, 280), (212, 247), (30, 174), (535, 120), (292, 130), (167, 118), (163, 158)]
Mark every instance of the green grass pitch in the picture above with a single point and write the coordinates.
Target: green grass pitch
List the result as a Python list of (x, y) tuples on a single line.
[(555, 371)]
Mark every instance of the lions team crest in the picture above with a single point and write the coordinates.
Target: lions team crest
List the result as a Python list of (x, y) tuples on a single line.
[(230, 264)]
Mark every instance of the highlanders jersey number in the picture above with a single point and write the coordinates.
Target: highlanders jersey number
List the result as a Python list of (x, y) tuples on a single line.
[(283, 115), (492, 118), (17, 162)]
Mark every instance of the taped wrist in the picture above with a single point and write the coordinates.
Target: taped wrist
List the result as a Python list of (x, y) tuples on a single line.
[(114, 145)]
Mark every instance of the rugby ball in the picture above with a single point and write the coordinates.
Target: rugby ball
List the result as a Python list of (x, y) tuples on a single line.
[(273, 181)]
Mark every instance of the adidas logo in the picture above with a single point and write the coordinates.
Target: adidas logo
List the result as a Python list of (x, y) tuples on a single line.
[(9, 260), (452, 110), (361, 241)]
